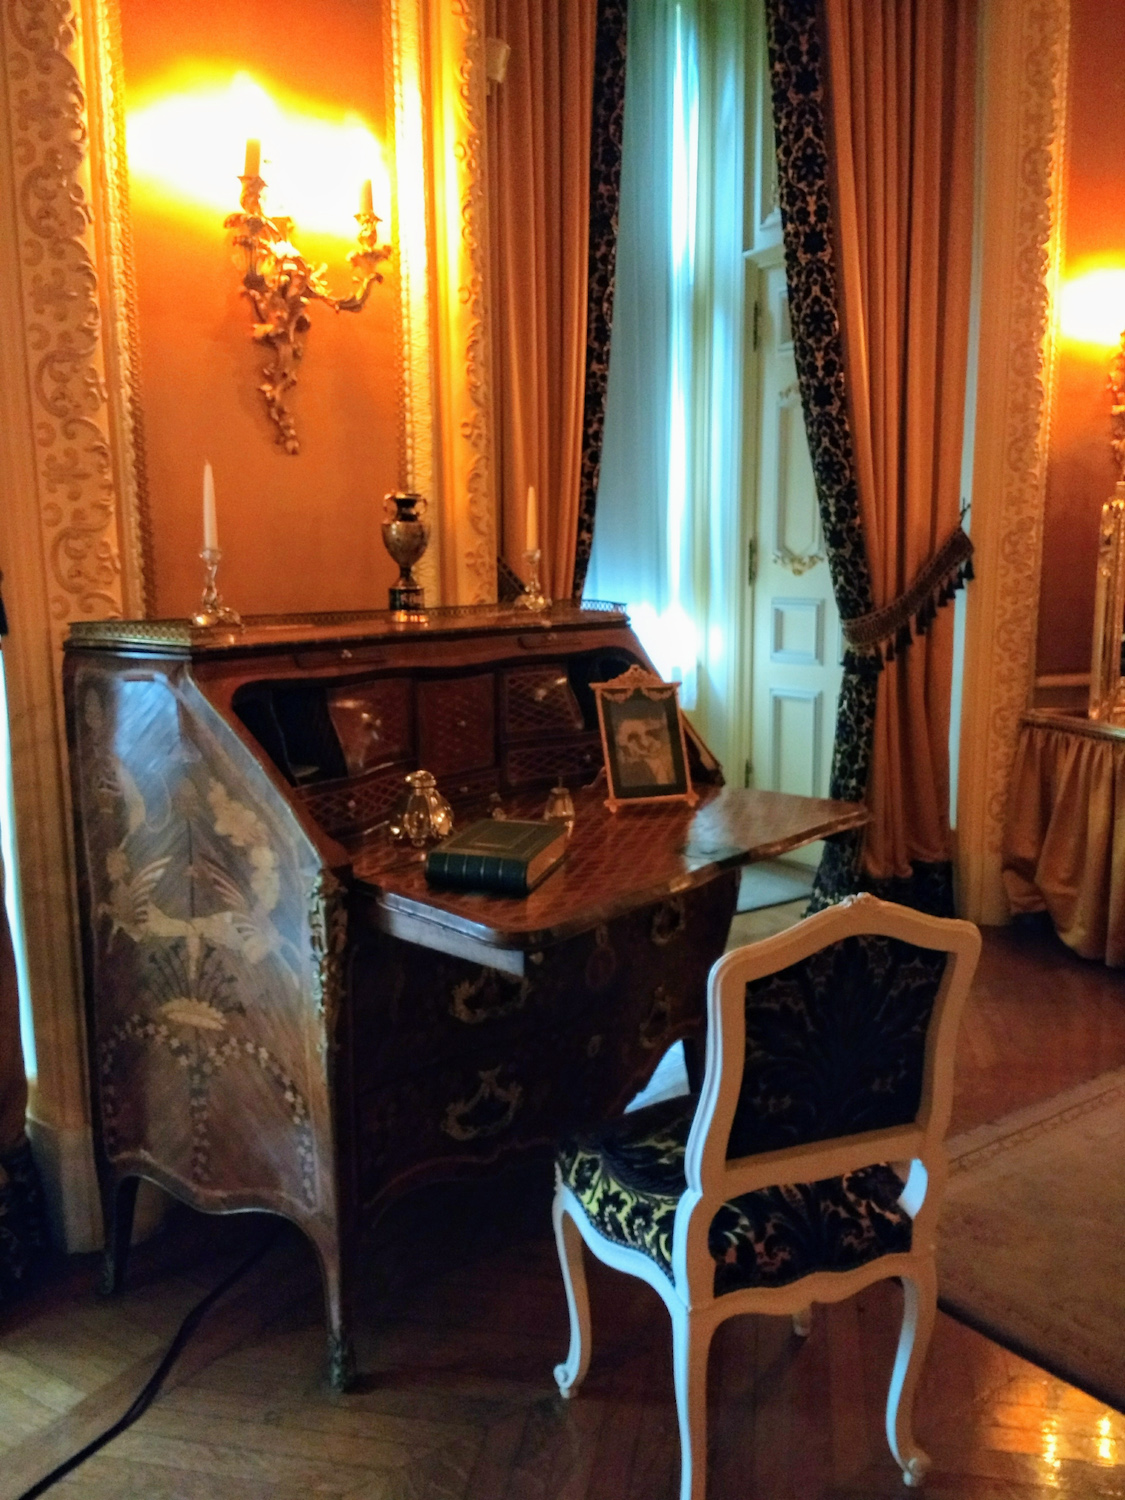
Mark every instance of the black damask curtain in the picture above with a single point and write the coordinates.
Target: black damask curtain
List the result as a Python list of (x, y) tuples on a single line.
[(796, 69), (908, 210), (605, 196)]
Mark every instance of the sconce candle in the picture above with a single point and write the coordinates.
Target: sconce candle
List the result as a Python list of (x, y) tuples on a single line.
[(210, 523), (366, 200), (212, 612), (253, 157)]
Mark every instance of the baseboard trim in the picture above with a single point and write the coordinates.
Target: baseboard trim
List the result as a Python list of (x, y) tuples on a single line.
[(65, 1159)]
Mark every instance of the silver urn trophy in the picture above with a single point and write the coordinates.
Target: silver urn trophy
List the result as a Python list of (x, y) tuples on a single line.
[(406, 535)]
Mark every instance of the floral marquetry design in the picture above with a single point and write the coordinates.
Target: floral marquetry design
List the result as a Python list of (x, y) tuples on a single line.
[(210, 928)]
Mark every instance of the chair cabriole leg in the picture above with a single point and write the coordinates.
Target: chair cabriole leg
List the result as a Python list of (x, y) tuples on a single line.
[(691, 1343), (571, 1252), (919, 1311)]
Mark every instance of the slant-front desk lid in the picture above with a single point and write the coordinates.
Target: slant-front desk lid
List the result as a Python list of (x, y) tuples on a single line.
[(615, 862), (263, 633)]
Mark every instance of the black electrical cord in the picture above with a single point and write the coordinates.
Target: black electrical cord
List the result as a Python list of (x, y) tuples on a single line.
[(151, 1388)]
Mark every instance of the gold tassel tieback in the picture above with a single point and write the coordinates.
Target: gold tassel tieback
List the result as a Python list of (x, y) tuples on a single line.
[(883, 632)]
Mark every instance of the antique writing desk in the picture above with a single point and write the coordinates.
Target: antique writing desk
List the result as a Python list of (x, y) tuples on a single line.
[(281, 1014)]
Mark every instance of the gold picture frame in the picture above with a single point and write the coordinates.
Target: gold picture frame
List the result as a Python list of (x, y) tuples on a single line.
[(643, 740)]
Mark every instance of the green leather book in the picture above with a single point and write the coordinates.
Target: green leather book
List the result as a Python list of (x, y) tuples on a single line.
[(504, 856)]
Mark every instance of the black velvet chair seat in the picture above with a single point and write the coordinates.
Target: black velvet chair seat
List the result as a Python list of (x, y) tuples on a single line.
[(629, 1177)]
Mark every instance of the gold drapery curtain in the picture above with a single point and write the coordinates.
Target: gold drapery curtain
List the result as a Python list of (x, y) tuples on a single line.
[(902, 84), (539, 185)]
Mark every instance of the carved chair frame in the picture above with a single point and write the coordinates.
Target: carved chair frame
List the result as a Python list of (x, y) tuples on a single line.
[(917, 1150)]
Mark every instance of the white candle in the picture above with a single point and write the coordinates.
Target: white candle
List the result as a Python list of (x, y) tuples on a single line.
[(210, 526), (532, 520), (253, 165), (366, 205)]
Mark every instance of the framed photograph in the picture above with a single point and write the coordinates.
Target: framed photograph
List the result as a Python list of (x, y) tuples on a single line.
[(643, 740)]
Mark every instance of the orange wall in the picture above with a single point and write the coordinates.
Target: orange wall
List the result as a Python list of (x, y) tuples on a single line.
[(1080, 471), (297, 533)]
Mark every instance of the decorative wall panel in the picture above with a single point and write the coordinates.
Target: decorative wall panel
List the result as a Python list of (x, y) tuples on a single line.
[(457, 114), (67, 453), (795, 731), (113, 234), (405, 31), (798, 632), (63, 348), (1024, 59), (796, 533)]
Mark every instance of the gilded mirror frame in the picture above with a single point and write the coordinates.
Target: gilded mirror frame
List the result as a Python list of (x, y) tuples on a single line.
[(1107, 700)]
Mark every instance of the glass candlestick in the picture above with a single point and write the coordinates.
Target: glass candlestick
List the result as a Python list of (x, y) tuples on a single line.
[(212, 610), (533, 596)]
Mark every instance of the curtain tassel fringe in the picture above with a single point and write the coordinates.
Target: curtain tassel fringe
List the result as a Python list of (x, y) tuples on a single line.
[(882, 634)]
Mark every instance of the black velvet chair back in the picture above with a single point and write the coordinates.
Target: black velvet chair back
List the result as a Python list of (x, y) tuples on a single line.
[(835, 1044)]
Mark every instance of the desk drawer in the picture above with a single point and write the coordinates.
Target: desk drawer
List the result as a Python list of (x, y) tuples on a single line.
[(455, 1063), (417, 1009), (456, 724), (575, 759), (372, 721), (636, 980), (350, 807), (538, 700)]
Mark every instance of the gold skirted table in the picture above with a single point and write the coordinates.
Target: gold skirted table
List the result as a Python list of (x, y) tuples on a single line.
[(1064, 839)]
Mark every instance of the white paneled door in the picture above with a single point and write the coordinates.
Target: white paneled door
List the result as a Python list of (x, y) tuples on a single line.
[(796, 633)]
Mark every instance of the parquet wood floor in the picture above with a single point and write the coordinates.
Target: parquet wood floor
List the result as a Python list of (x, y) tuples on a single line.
[(465, 1319)]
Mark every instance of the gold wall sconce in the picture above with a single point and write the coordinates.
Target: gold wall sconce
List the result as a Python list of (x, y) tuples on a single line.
[(279, 284)]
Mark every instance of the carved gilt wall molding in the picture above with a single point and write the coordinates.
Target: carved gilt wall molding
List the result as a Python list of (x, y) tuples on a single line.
[(121, 338), (1018, 559), (404, 49), (457, 110), (73, 527), (63, 337), (1024, 118)]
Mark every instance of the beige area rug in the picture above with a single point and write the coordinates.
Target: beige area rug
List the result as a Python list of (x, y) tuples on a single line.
[(1031, 1246)]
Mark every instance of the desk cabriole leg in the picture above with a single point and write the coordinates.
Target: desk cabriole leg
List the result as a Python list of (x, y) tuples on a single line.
[(119, 1201)]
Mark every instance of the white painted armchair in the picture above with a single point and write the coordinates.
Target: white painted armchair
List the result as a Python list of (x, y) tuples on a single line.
[(811, 1164)]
